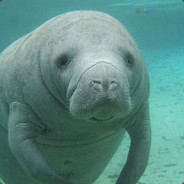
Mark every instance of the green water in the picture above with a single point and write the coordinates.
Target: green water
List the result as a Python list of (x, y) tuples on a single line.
[(158, 28)]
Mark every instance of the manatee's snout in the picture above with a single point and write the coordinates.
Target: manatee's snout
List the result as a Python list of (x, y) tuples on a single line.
[(101, 94), (105, 91)]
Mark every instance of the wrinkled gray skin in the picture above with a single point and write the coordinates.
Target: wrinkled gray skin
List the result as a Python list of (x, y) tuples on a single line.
[(68, 92)]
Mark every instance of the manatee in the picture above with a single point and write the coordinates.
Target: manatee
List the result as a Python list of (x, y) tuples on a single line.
[(69, 90)]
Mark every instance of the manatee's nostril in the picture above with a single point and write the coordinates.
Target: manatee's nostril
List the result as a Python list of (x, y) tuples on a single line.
[(97, 85), (104, 85), (113, 85)]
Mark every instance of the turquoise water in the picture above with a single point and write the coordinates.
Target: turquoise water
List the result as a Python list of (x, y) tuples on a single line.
[(158, 28)]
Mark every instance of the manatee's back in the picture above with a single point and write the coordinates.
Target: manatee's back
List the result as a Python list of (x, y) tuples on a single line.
[(10, 170), (6, 59)]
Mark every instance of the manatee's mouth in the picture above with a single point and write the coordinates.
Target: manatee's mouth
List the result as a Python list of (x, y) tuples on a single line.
[(99, 119)]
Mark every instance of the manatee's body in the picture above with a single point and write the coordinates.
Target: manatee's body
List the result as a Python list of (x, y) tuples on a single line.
[(68, 92)]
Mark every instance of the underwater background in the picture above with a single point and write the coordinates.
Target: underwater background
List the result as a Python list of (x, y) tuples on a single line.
[(158, 28)]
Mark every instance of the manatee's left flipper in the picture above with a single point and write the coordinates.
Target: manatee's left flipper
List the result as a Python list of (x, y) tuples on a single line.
[(24, 127), (140, 134)]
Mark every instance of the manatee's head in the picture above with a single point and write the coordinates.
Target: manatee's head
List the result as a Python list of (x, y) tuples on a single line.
[(93, 67)]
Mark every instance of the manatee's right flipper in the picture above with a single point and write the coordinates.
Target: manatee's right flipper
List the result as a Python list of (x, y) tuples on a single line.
[(23, 130), (10, 170)]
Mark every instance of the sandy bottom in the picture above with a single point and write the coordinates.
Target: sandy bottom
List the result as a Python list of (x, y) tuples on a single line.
[(166, 163)]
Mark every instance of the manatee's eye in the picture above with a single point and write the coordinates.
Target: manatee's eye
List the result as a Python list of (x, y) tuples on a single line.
[(63, 61), (129, 60)]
